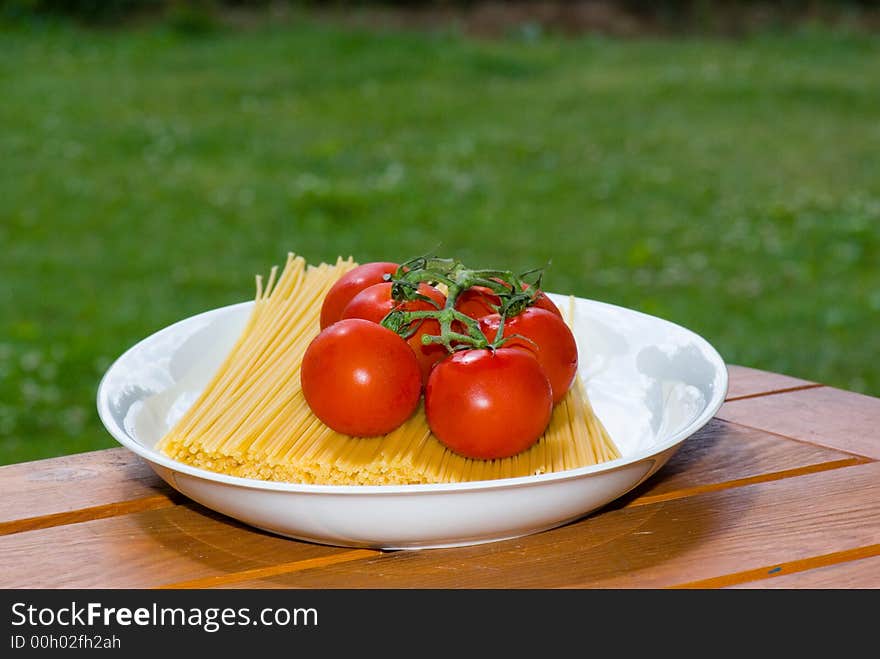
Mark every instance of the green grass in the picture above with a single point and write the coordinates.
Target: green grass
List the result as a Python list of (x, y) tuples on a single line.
[(732, 187)]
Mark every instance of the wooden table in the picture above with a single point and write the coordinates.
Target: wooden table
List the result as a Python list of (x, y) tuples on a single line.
[(780, 490)]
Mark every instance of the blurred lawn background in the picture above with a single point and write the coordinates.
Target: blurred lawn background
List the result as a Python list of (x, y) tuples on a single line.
[(148, 172)]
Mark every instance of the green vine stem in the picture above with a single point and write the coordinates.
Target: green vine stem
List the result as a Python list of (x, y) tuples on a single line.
[(513, 291)]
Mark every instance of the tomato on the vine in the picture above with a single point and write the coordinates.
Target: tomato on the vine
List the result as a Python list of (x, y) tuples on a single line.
[(488, 404), (486, 397), (349, 285), (545, 335), (360, 378), (479, 301), (426, 354), (375, 302), (544, 302)]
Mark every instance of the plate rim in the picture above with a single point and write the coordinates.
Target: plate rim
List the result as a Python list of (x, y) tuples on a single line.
[(155, 457)]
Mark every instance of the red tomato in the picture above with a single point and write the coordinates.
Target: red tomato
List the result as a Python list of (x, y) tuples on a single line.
[(552, 343), (427, 355), (349, 285), (488, 404), (544, 302), (375, 302), (360, 378), (479, 301)]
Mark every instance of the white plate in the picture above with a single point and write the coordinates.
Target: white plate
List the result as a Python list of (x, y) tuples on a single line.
[(651, 382)]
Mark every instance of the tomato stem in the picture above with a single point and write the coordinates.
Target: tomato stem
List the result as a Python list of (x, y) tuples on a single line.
[(514, 293)]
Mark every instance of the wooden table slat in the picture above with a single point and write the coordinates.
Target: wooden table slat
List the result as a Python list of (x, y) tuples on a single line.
[(826, 416), (79, 487), (145, 550), (728, 455), (745, 382), (863, 573)]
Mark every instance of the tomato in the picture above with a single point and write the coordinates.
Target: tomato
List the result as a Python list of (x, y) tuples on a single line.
[(488, 404), (547, 336), (479, 301), (360, 378), (349, 285), (544, 302), (375, 302), (426, 355)]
